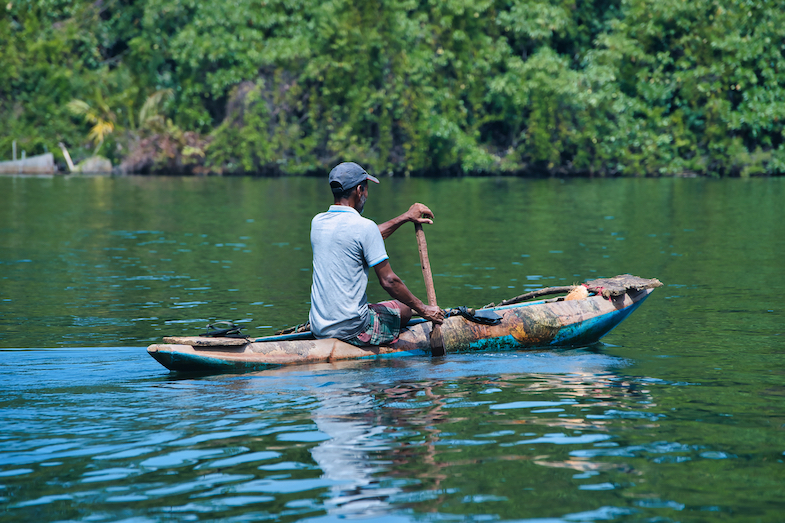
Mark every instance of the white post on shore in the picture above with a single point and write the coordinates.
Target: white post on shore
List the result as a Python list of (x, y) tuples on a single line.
[(13, 148), (67, 157)]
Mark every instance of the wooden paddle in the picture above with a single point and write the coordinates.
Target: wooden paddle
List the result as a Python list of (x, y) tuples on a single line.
[(437, 342)]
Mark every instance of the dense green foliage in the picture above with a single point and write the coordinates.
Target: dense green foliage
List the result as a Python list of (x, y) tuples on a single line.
[(609, 87)]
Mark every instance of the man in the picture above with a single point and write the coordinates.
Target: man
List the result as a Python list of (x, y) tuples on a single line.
[(344, 246)]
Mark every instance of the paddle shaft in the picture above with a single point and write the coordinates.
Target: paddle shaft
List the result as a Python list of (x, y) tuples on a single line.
[(425, 263), (437, 342)]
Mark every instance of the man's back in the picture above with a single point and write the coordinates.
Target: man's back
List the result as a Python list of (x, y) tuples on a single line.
[(344, 246)]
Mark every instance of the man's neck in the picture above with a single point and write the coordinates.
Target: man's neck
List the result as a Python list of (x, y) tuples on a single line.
[(350, 202)]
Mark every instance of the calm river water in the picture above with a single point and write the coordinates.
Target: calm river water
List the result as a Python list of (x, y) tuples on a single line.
[(678, 415)]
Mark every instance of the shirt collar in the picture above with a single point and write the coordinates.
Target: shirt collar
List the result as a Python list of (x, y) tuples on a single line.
[(343, 208)]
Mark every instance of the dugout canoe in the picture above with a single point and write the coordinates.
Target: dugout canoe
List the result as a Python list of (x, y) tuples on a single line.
[(529, 325)]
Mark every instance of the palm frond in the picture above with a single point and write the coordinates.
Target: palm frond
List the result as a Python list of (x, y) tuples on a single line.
[(83, 109), (99, 131), (152, 105)]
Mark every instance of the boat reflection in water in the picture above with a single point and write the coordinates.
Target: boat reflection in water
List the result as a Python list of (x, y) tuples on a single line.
[(416, 442), (346, 458)]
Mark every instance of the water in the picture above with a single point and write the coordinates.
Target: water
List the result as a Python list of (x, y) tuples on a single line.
[(679, 415)]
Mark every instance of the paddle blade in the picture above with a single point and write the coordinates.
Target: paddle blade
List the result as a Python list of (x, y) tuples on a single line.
[(437, 342)]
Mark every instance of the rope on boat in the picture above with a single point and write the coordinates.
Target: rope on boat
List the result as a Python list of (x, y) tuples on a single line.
[(483, 317), (547, 291), (301, 327), (224, 329)]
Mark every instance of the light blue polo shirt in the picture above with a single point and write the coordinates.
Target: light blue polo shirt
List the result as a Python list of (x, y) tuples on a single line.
[(344, 246)]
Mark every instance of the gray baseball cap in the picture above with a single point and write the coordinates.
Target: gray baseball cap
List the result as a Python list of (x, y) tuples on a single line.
[(347, 175)]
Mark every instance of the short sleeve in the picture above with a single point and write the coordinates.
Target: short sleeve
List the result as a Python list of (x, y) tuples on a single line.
[(373, 245)]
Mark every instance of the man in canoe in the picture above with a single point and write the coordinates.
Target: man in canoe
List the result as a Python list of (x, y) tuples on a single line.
[(344, 246)]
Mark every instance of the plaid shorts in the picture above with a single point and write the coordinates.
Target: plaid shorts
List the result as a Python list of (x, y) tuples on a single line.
[(384, 327)]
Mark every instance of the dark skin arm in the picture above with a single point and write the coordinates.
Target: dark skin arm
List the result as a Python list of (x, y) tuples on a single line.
[(391, 283), (417, 213)]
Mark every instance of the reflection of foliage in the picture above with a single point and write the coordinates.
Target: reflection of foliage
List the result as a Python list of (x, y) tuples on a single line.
[(606, 87)]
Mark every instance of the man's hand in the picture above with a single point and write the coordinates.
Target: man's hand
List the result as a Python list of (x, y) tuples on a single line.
[(398, 290), (433, 313), (419, 213)]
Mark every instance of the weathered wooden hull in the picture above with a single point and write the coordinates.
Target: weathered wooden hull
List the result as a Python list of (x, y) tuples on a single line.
[(528, 325)]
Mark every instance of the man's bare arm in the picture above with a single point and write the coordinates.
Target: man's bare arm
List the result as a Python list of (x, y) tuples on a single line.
[(391, 283), (417, 213)]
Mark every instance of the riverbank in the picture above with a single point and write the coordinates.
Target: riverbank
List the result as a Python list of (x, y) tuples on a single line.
[(606, 89), (194, 168)]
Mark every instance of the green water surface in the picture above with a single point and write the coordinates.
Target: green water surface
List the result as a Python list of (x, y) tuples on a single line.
[(679, 415)]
